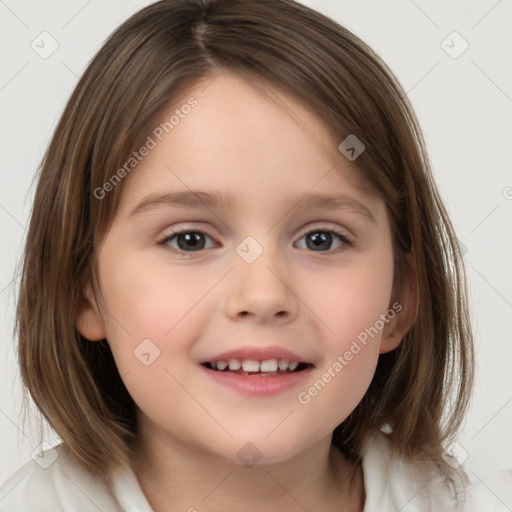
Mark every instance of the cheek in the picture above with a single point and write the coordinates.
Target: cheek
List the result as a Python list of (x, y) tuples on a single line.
[(147, 299), (152, 319), (351, 313), (155, 315), (351, 299)]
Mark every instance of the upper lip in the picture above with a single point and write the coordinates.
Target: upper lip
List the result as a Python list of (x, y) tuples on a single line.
[(257, 354)]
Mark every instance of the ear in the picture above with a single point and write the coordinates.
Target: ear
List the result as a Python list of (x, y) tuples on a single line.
[(88, 320), (403, 307)]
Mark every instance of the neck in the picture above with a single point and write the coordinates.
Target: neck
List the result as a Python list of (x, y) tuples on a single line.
[(190, 479)]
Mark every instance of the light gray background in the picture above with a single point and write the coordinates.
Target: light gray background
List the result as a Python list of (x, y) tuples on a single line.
[(465, 108)]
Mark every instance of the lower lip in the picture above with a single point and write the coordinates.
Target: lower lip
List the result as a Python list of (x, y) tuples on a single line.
[(257, 385)]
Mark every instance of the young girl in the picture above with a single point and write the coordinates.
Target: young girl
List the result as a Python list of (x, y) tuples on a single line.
[(241, 290)]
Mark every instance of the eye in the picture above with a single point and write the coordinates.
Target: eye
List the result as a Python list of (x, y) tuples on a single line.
[(318, 240), (321, 240), (187, 241)]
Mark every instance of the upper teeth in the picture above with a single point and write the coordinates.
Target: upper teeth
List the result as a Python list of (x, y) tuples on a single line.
[(251, 365)]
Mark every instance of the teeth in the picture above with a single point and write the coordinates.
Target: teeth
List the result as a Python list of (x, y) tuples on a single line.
[(235, 364), (254, 366), (283, 364), (249, 365), (268, 366)]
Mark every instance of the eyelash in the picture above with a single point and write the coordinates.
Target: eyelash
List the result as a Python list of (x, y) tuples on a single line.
[(163, 242)]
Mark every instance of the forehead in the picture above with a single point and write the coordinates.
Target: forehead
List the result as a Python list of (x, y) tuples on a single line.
[(252, 141)]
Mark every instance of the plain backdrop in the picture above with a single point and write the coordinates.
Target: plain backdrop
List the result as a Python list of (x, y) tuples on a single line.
[(453, 59)]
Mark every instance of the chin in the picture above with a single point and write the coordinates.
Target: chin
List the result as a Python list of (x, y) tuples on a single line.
[(249, 451)]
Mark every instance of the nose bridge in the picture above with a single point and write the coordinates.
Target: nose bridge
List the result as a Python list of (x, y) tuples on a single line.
[(258, 284), (257, 265)]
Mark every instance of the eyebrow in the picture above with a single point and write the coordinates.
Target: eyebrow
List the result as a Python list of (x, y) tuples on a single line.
[(213, 199)]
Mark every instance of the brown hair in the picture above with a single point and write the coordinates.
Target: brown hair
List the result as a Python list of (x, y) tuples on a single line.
[(421, 389)]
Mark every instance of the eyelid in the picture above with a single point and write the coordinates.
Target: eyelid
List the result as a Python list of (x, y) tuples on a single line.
[(346, 235), (346, 239), (319, 226), (171, 234)]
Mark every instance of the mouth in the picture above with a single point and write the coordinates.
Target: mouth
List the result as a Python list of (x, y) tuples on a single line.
[(257, 368), (258, 371)]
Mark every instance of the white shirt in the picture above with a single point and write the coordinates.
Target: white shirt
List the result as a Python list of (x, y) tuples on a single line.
[(391, 485)]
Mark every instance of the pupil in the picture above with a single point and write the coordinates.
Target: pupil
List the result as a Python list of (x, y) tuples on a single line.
[(194, 240), (319, 240)]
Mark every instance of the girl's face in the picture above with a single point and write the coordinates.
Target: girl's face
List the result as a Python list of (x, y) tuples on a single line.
[(282, 259)]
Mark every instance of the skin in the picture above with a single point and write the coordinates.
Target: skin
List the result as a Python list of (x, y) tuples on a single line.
[(205, 302)]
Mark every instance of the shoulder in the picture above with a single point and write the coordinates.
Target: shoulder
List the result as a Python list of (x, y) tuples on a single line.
[(54, 482), (394, 483)]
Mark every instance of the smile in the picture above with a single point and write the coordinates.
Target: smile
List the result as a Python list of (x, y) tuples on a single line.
[(251, 377), (252, 367)]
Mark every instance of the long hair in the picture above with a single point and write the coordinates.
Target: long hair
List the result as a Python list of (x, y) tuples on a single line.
[(421, 389)]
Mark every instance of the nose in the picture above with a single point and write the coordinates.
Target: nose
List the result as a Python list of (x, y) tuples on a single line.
[(261, 291)]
